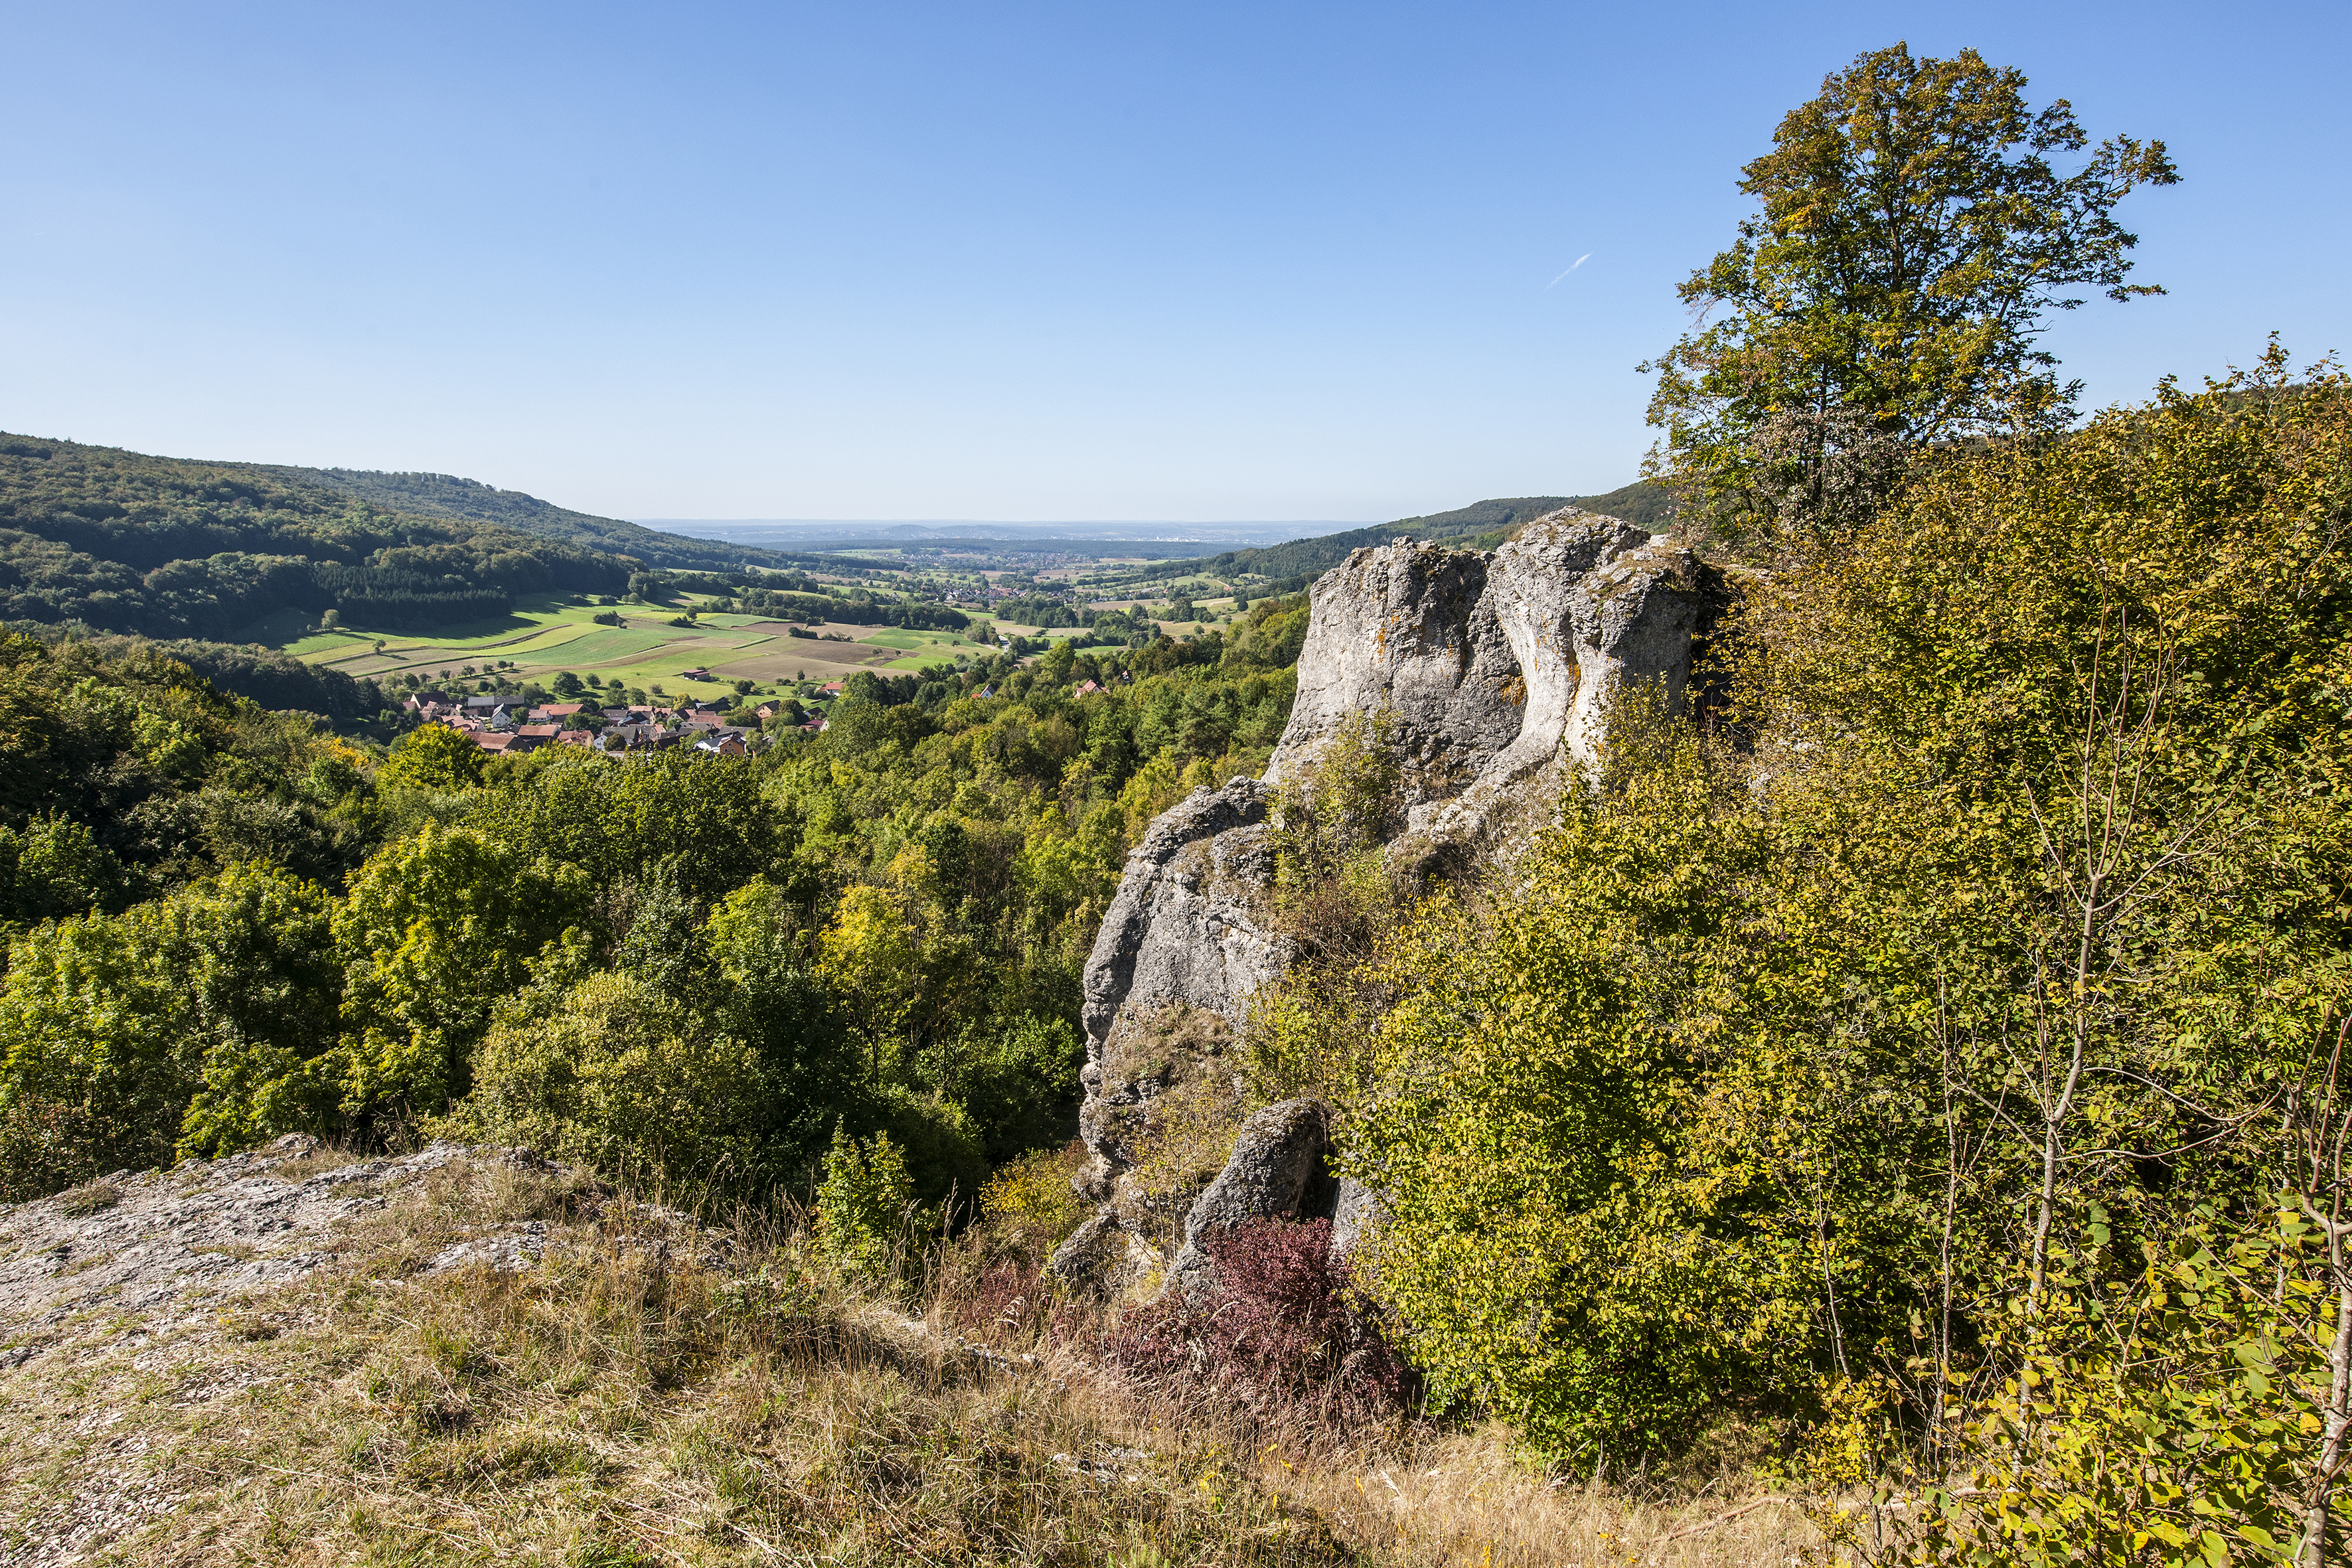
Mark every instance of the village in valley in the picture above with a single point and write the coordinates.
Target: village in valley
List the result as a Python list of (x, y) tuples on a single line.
[(507, 722)]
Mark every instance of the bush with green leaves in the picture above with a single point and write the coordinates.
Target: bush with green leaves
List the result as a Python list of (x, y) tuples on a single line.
[(867, 1211), (2167, 1405), (611, 1072), (191, 1024)]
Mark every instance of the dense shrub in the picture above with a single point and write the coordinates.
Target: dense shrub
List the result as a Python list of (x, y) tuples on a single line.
[(189, 1023), (2019, 889), (620, 1078)]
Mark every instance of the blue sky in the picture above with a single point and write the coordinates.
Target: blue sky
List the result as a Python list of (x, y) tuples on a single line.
[(1041, 262)]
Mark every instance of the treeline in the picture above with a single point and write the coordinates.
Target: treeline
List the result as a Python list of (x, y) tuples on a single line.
[(168, 548), (1291, 567), (229, 926), (796, 597), (1045, 611), (272, 679), (123, 773), (1305, 558), (446, 495)]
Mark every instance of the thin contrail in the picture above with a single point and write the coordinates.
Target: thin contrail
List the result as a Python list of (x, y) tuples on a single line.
[(1571, 266)]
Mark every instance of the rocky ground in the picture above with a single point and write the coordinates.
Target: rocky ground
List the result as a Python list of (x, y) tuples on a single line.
[(149, 1273), (130, 1257)]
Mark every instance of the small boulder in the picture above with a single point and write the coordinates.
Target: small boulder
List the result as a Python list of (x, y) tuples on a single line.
[(1277, 1170)]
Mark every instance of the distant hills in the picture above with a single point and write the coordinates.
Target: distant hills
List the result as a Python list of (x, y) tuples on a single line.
[(1641, 503), (184, 548), (445, 496)]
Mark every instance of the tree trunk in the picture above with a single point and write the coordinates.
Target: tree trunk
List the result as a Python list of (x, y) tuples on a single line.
[(2337, 1415)]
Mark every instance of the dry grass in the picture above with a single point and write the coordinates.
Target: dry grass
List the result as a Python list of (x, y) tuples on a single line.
[(650, 1391)]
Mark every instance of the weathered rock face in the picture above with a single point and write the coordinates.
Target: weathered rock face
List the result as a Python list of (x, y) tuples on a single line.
[(1492, 666), (1186, 924), (1491, 669), (1405, 629)]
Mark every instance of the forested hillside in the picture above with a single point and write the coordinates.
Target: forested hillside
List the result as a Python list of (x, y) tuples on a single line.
[(445, 496), (169, 547)]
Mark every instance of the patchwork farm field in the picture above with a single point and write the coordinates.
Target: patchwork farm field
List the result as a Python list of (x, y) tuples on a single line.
[(544, 636)]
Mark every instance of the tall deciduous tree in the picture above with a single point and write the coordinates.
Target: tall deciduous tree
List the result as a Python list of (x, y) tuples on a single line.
[(1912, 237)]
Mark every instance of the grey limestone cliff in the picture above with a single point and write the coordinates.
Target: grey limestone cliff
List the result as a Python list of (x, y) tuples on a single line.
[(1491, 668)]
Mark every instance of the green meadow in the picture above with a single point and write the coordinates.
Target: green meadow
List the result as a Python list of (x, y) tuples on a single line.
[(547, 635)]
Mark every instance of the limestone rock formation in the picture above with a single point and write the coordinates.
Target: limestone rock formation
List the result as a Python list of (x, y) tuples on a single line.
[(1356, 1215), (1186, 924), (1491, 666), (1491, 669)]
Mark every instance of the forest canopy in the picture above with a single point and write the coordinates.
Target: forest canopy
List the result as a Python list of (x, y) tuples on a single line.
[(227, 925)]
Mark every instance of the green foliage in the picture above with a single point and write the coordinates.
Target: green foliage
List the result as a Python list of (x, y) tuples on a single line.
[(2173, 1412), (865, 1210), (436, 930), (191, 1022), (270, 678), (122, 774), (2021, 891), (880, 930), (433, 757), (1018, 1083), (55, 867), (1889, 294), (618, 1075), (1031, 1195)]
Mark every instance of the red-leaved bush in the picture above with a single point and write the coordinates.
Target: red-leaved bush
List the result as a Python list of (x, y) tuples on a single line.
[(1276, 1339), (1005, 1304)]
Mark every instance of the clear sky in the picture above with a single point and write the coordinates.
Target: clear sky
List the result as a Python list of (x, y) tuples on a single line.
[(991, 262)]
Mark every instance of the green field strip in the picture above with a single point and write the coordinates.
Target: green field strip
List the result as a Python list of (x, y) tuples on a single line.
[(615, 642), (546, 638)]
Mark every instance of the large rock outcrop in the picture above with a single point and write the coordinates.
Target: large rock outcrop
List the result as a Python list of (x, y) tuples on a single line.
[(1492, 666), (1491, 671)]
